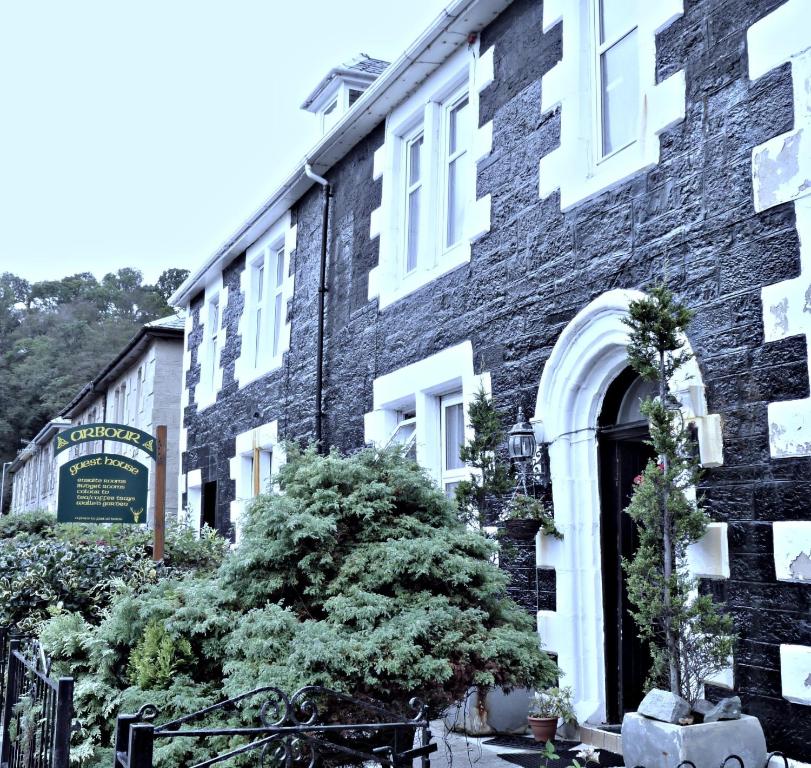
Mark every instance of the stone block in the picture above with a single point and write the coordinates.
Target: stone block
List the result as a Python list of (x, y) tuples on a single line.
[(664, 706), (664, 745), (726, 709)]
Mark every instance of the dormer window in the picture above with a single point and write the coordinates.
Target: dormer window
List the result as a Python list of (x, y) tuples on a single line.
[(341, 88)]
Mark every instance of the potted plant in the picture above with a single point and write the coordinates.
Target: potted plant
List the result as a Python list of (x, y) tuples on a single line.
[(525, 516), (689, 637), (546, 709)]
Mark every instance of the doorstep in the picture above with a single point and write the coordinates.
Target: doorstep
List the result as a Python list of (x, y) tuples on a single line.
[(601, 737)]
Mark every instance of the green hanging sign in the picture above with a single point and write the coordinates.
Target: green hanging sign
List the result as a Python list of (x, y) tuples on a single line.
[(102, 488), (120, 433)]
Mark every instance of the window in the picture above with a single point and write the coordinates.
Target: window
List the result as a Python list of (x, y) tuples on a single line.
[(429, 213), (617, 73), (452, 438), (267, 286), (437, 184), (405, 433), (458, 169), (422, 407), (264, 310), (257, 456), (412, 205), (606, 75), (211, 345)]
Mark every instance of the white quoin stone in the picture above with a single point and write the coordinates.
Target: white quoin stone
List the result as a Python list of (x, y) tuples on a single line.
[(792, 550), (795, 673), (709, 557), (781, 173)]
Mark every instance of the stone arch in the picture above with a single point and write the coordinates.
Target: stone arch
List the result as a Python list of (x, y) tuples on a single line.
[(587, 357)]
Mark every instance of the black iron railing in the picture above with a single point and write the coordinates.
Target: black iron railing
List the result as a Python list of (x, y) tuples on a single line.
[(37, 711), (293, 731)]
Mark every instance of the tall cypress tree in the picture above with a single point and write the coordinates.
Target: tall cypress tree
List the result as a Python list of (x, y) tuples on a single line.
[(689, 637)]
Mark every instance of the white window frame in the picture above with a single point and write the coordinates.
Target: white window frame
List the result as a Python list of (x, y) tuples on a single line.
[(427, 109), (279, 239), (209, 351), (451, 475), (577, 167), (262, 442), (421, 387)]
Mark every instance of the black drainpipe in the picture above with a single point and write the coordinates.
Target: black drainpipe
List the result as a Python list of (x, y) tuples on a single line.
[(322, 290)]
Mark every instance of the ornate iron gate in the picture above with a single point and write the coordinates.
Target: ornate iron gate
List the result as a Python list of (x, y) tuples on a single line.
[(292, 731), (37, 711)]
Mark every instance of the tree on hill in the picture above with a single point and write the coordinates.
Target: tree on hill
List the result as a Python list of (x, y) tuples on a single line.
[(55, 335)]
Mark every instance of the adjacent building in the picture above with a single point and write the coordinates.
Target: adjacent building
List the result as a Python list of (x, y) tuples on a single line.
[(35, 472), (479, 214), (140, 387)]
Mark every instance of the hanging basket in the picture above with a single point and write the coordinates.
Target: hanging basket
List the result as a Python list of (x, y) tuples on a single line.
[(521, 528)]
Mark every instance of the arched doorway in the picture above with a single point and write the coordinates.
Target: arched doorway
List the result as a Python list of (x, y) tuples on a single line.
[(623, 453), (589, 355)]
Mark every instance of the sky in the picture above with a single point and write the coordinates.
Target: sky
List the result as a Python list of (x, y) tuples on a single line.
[(143, 133)]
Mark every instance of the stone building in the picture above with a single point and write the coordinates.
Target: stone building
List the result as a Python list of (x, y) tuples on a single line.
[(141, 388), (494, 200), (34, 472)]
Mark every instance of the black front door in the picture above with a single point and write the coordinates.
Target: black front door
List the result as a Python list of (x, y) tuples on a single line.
[(623, 456)]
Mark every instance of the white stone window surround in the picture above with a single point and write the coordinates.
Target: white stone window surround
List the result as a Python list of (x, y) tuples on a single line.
[(420, 386), (576, 167), (588, 356), (205, 394), (265, 439), (192, 515), (463, 71), (281, 234)]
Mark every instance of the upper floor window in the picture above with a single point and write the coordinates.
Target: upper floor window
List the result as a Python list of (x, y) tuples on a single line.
[(212, 337), (427, 211), (612, 107), (436, 183), (211, 344), (617, 58), (266, 303), (267, 286)]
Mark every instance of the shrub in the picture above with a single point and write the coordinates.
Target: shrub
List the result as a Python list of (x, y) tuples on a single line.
[(359, 578), (45, 564)]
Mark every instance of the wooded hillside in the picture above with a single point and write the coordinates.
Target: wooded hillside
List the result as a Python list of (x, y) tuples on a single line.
[(55, 335)]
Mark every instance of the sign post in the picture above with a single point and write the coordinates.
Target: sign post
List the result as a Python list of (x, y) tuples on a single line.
[(160, 495)]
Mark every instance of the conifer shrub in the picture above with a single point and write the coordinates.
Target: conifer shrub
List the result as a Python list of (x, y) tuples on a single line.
[(358, 577)]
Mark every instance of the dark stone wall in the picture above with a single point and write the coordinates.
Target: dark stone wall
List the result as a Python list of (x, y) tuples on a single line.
[(691, 219)]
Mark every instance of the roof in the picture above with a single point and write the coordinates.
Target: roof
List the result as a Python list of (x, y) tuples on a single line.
[(170, 327), (42, 437), (363, 69), (444, 36)]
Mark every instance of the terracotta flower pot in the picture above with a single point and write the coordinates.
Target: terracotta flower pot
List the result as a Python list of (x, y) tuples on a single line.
[(543, 728)]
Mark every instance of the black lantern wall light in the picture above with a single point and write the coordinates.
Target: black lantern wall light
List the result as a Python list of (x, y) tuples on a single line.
[(531, 459)]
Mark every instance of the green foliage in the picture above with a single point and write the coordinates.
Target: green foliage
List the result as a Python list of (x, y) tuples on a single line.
[(523, 507), (392, 596), (360, 578), (45, 565), (689, 638), (554, 702), (76, 319), (158, 658), (492, 477)]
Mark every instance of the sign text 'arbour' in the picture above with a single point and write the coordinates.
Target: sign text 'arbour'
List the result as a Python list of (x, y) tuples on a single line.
[(116, 432)]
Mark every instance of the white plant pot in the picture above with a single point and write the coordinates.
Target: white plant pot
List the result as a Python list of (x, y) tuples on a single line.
[(653, 744)]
